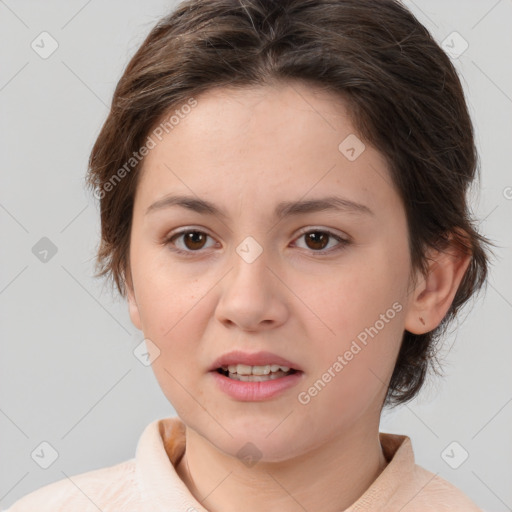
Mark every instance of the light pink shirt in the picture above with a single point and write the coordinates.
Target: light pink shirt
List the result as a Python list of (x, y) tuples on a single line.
[(149, 482)]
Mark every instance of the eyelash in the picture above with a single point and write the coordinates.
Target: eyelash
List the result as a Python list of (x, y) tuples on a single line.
[(342, 241)]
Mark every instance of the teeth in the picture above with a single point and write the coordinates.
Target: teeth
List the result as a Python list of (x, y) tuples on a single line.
[(256, 378), (243, 369), (275, 368)]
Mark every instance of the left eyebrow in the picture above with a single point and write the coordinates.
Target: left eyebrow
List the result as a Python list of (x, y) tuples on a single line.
[(283, 209), (287, 208)]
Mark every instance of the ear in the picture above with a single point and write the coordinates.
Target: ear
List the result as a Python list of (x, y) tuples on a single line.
[(133, 308), (431, 299)]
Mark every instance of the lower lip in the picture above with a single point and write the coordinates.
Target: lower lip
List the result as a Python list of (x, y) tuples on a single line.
[(256, 391)]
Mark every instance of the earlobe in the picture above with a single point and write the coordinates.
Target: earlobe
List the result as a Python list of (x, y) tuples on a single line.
[(434, 294), (133, 307)]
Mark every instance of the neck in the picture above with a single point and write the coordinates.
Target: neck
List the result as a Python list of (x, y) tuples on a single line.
[(330, 477)]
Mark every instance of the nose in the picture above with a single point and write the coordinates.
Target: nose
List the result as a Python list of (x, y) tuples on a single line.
[(252, 295)]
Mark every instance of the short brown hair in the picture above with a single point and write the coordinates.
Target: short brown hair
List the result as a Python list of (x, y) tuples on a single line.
[(402, 91)]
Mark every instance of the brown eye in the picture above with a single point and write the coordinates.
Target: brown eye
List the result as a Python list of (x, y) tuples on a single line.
[(194, 240), (317, 239), (190, 241)]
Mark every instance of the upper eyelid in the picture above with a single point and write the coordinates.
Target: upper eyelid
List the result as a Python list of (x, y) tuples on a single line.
[(331, 231)]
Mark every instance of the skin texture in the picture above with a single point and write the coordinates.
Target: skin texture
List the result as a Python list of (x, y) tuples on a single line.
[(246, 150)]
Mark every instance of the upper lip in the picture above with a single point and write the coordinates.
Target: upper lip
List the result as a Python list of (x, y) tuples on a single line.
[(252, 359)]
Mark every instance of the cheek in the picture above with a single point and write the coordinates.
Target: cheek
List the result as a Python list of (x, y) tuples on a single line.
[(364, 308), (166, 296), (172, 321), (171, 308), (354, 297), (353, 373)]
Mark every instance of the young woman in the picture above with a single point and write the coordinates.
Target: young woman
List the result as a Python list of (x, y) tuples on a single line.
[(283, 204)]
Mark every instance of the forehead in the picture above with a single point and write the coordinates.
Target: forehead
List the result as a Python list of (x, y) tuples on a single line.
[(264, 109), (278, 116), (257, 142)]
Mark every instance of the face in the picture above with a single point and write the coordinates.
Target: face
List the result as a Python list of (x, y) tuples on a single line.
[(326, 289)]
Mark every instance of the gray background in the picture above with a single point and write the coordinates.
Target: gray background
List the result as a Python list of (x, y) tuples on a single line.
[(68, 374)]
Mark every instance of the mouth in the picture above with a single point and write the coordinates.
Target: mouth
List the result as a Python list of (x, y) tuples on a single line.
[(255, 383), (248, 373), (254, 376)]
